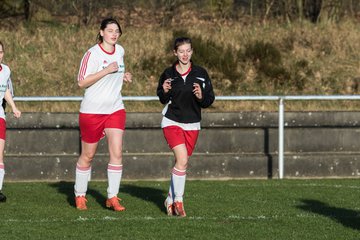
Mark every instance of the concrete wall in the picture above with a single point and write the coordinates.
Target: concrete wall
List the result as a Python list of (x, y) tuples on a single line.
[(45, 146)]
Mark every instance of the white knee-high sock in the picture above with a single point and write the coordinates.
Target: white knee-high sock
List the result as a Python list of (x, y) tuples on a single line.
[(114, 173), (178, 182), (170, 197), (2, 173), (82, 178)]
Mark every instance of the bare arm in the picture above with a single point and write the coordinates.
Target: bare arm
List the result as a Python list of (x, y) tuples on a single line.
[(10, 101), (93, 78)]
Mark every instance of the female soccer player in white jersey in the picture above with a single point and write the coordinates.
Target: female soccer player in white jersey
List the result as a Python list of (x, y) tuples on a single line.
[(101, 74), (5, 92), (185, 88)]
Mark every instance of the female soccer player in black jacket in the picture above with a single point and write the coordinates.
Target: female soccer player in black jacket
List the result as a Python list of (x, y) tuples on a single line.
[(184, 88)]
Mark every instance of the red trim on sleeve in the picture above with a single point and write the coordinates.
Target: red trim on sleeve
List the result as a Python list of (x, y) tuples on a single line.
[(84, 66)]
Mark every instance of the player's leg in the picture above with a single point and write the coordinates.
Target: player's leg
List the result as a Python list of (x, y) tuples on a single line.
[(114, 170), (114, 130), (91, 130), (2, 166), (178, 177), (175, 138), (83, 173), (182, 154), (179, 171), (171, 134), (2, 169)]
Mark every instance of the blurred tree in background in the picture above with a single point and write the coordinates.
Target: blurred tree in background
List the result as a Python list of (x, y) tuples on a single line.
[(248, 46), (85, 12)]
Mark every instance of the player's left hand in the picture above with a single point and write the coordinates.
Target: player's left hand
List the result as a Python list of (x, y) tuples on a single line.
[(197, 91), (16, 112), (128, 77)]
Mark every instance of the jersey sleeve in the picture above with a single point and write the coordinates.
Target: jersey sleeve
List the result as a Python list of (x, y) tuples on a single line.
[(208, 92), (121, 59), (10, 86), (87, 66)]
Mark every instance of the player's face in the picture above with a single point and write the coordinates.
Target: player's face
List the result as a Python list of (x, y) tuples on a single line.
[(1, 53), (183, 53), (110, 34)]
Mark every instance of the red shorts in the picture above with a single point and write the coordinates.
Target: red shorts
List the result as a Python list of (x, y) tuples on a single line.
[(2, 129), (92, 126), (175, 135)]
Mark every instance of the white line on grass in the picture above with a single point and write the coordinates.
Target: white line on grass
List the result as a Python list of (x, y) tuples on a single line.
[(150, 218), (297, 185)]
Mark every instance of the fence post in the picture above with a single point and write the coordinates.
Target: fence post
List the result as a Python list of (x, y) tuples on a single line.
[(281, 138)]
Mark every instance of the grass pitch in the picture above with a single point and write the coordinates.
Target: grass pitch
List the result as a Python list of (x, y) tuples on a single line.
[(234, 209)]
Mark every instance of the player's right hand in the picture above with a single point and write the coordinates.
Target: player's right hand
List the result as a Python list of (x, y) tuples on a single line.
[(167, 85), (112, 67)]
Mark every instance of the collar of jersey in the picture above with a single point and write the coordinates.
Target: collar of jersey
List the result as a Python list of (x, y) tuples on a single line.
[(110, 53)]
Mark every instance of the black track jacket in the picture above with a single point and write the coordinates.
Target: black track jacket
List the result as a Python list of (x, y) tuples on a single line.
[(185, 107)]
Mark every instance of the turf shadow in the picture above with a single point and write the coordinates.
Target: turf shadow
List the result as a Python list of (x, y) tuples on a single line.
[(154, 195), (347, 217), (67, 188)]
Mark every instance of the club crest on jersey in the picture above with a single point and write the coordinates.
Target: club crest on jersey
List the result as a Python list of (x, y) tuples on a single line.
[(3, 87), (120, 70)]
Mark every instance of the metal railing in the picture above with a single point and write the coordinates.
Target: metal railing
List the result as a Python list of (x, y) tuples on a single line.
[(280, 99)]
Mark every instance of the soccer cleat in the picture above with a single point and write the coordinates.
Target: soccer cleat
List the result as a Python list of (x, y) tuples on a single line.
[(114, 204), (2, 197), (80, 202), (169, 208), (179, 209)]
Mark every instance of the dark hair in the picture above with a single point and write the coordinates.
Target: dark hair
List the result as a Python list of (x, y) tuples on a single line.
[(104, 24), (3, 103), (180, 41)]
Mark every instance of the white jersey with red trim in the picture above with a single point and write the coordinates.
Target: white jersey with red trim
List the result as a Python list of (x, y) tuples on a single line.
[(104, 96), (5, 83)]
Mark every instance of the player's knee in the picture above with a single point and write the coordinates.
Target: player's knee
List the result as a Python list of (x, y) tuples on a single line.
[(182, 164), (116, 156), (87, 157)]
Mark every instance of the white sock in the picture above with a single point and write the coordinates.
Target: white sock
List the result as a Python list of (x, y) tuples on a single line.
[(2, 173), (82, 178), (170, 197), (114, 173), (178, 182)]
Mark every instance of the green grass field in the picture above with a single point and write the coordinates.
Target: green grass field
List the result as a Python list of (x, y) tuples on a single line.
[(234, 209)]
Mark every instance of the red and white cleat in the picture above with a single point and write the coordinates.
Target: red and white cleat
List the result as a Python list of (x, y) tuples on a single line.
[(80, 202), (169, 208), (114, 204), (179, 209)]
